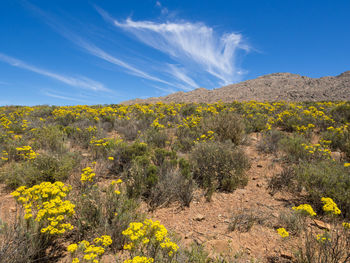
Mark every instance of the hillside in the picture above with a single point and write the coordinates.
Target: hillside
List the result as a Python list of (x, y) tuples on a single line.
[(272, 87)]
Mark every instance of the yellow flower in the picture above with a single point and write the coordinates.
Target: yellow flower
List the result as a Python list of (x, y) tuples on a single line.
[(72, 248), (283, 232), (111, 158), (346, 225), (75, 260), (305, 208), (346, 164), (329, 206)]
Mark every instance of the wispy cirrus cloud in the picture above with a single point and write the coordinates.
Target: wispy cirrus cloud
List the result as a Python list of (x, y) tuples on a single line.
[(54, 94), (93, 49), (190, 44), (180, 74), (78, 82)]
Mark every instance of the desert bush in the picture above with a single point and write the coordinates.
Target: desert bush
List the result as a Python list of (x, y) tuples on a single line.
[(256, 123), (325, 178), (141, 177), (293, 148), (185, 138), (341, 113), (81, 133), (149, 241), (104, 210), (124, 154), (45, 167), (219, 166), (160, 180), (161, 154), (18, 244), (318, 247), (245, 220), (130, 129), (327, 247), (43, 111), (51, 138), (291, 221), (42, 217), (227, 126), (339, 139), (172, 186), (269, 143), (284, 180), (156, 137)]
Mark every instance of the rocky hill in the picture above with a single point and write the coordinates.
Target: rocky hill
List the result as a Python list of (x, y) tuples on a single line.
[(272, 87)]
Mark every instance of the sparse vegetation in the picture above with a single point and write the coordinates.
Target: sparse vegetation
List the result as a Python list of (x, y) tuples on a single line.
[(121, 162)]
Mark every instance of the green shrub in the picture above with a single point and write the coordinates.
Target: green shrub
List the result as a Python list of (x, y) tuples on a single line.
[(141, 177), (326, 179), (293, 149), (269, 143), (102, 211), (157, 138), (219, 166), (131, 129), (227, 126), (21, 243), (44, 168), (341, 113), (125, 153), (185, 138), (51, 138)]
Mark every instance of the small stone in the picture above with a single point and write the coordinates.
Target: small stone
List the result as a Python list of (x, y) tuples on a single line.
[(199, 217), (259, 185), (286, 255), (321, 225)]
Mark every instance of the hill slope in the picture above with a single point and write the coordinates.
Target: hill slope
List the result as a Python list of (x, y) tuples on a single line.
[(272, 87)]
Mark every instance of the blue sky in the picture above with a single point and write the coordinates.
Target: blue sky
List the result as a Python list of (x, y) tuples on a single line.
[(66, 52)]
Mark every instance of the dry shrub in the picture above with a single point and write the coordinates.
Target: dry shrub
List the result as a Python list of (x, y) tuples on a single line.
[(219, 166), (227, 126)]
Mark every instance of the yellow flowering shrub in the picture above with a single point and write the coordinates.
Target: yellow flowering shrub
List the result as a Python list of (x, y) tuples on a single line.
[(87, 175), (45, 204), (4, 156), (305, 209), (329, 206), (139, 259), (85, 251), (26, 152), (147, 236)]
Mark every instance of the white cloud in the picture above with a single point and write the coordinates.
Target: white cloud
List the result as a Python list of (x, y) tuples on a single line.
[(180, 74), (93, 49), (104, 55), (191, 44), (79, 82), (163, 9), (60, 96)]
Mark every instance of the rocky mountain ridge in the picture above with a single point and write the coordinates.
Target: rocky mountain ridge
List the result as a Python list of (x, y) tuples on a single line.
[(271, 87)]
